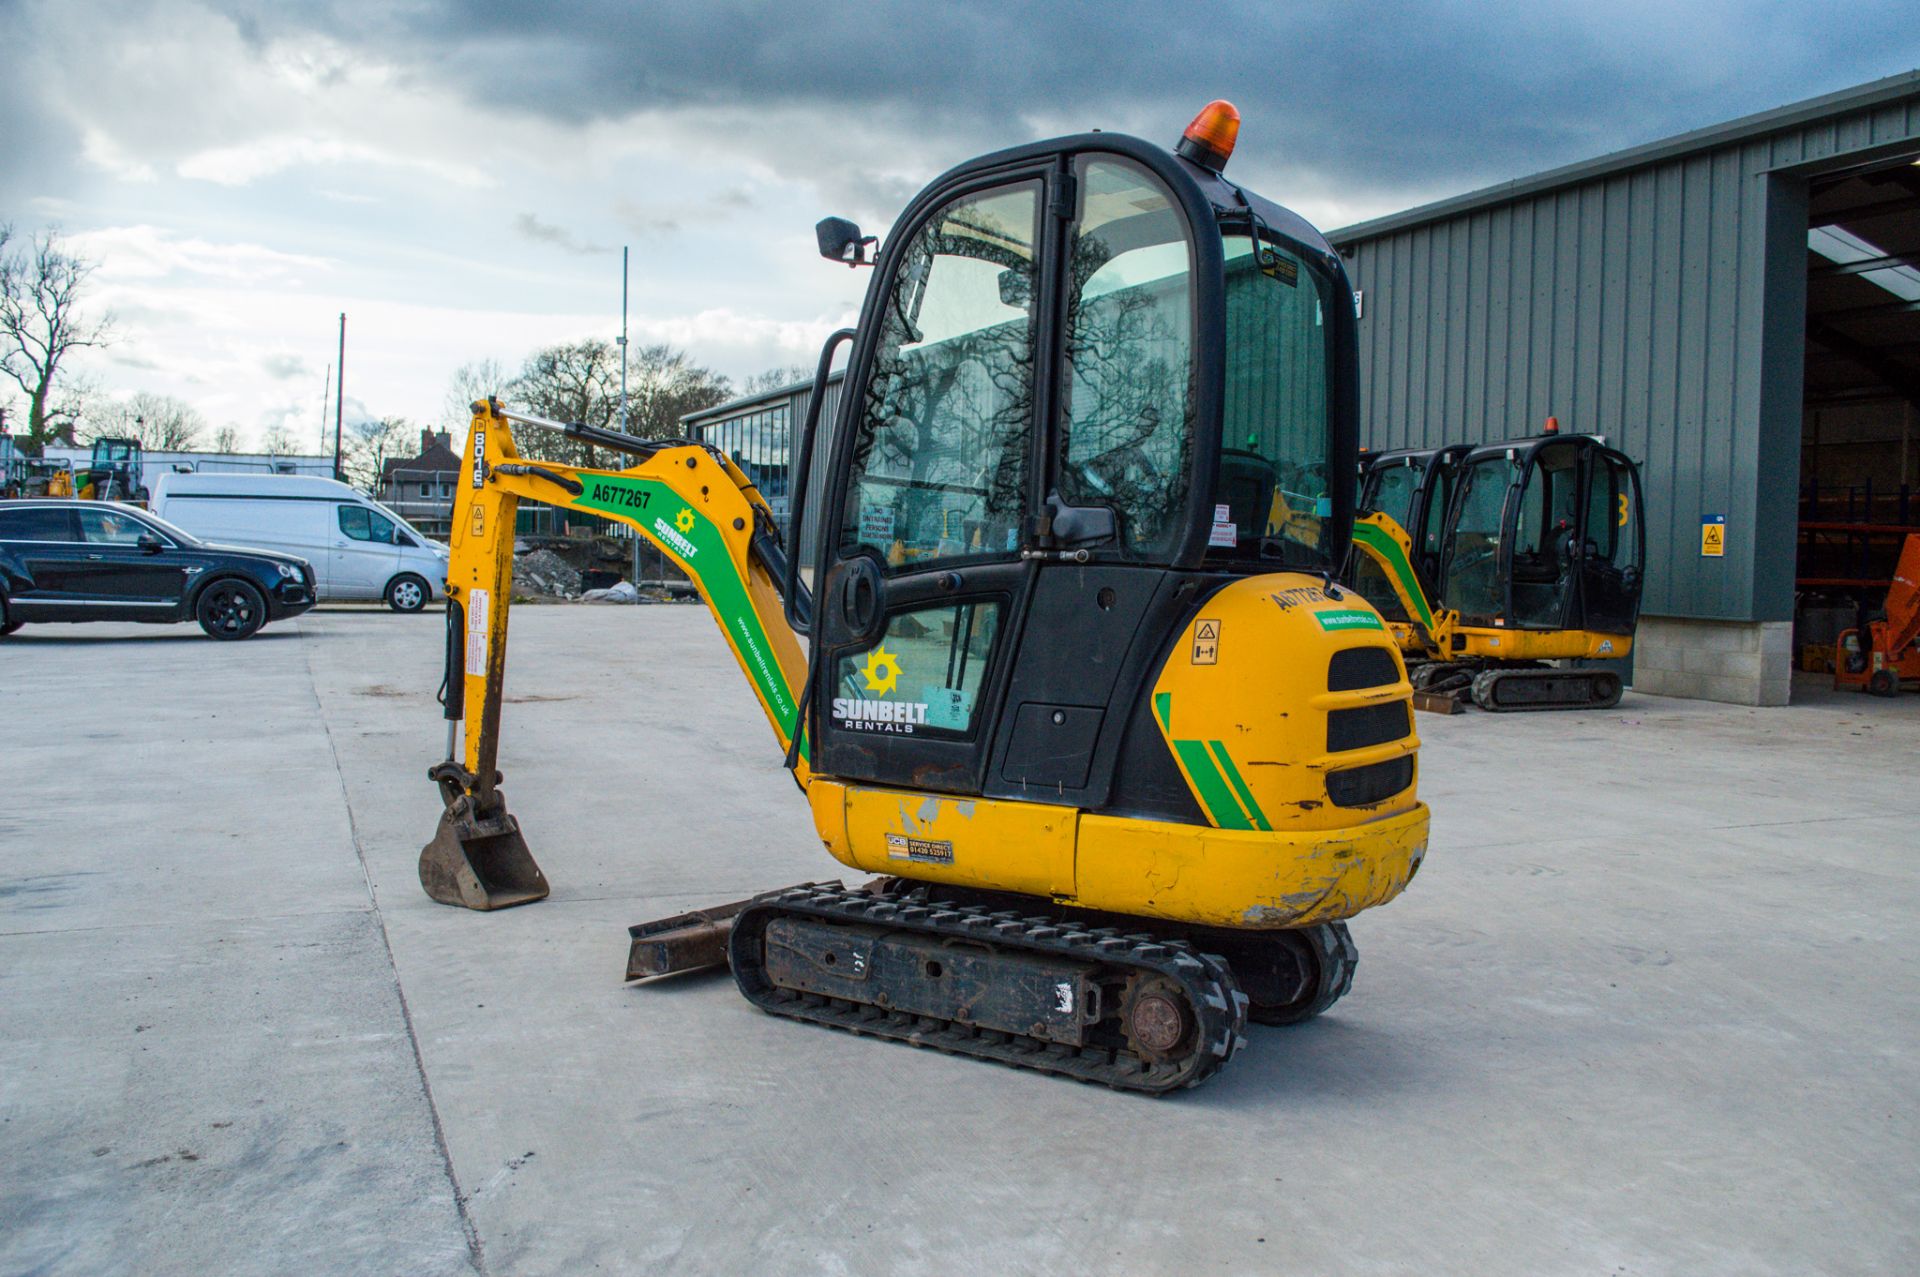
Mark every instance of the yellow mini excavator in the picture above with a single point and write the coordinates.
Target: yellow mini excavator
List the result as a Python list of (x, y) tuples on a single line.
[(1072, 676), (1529, 551)]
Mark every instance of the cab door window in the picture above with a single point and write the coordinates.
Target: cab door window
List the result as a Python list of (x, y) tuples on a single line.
[(1129, 349), (923, 678), (943, 439), (1545, 539), (1473, 583)]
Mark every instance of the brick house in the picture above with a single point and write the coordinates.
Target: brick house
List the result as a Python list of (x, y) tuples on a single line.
[(420, 488)]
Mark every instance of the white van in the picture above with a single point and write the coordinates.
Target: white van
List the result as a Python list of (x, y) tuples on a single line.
[(359, 549)]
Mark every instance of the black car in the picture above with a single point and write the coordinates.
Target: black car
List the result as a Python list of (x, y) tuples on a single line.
[(103, 561)]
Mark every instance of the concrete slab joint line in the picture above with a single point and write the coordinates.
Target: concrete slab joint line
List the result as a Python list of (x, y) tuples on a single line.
[(475, 1251)]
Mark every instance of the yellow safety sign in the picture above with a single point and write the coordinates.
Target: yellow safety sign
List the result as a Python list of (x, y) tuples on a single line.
[(1206, 642), (1713, 536)]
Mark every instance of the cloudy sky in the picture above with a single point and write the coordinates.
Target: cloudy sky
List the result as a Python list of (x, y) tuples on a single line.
[(459, 178)]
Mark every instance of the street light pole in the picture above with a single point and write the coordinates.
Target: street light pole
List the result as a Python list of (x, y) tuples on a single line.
[(340, 395), (623, 339)]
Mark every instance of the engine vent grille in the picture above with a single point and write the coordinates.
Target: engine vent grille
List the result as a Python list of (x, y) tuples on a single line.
[(1367, 725), (1357, 668), (1374, 783)]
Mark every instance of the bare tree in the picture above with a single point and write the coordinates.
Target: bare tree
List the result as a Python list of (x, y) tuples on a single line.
[(40, 324), (776, 378), (226, 439), (160, 422), (279, 441), (369, 444), (471, 382), (665, 385)]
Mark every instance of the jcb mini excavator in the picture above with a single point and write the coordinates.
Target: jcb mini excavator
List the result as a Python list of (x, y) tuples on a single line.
[(1122, 751), (1529, 551)]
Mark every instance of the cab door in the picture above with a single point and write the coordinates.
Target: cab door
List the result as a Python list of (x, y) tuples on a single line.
[(922, 579), (1611, 566)]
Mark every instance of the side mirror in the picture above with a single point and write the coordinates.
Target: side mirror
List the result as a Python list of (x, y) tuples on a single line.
[(841, 241), (150, 544)]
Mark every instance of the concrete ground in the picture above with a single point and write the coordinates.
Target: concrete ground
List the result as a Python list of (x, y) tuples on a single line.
[(1649, 1008)]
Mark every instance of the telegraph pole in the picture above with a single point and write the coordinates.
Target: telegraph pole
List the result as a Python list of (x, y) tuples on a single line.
[(340, 395)]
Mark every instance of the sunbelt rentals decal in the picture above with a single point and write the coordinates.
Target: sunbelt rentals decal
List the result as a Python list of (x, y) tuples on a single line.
[(881, 674)]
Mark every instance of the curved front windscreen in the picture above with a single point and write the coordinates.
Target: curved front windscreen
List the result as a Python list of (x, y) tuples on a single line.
[(1272, 501)]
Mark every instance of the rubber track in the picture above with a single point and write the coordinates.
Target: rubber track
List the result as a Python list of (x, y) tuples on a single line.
[(1219, 1006), (1485, 685)]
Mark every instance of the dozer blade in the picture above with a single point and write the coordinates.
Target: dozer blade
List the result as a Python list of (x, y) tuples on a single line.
[(480, 863)]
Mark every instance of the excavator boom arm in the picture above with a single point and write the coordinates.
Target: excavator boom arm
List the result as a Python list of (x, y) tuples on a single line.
[(704, 514)]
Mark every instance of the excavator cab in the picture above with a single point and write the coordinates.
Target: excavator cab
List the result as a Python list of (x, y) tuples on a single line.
[(1413, 486), (1545, 535), (113, 472), (1096, 379)]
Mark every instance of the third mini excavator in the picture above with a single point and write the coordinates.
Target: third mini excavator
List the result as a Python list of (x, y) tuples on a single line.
[(1073, 677)]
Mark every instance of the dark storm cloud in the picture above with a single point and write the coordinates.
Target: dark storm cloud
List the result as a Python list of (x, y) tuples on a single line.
[(1387, 96)]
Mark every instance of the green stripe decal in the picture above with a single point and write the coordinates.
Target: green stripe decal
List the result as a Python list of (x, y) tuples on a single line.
[(1239, 784), (664, 517), (1209, 786), (1394, 559)]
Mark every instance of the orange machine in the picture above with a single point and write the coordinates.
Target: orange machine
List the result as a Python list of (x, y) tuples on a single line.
[(1890, 655)]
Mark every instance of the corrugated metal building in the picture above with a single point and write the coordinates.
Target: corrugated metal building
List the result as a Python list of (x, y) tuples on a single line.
[(1738, 308)]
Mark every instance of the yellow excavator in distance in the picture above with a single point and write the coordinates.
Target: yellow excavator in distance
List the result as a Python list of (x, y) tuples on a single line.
[(1123, 753), (1529, 552)]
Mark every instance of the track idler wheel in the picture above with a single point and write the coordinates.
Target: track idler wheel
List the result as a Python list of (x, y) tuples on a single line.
[(1290, 976)]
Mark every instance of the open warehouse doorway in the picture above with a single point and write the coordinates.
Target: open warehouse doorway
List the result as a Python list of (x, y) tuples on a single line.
[(1860, 439)]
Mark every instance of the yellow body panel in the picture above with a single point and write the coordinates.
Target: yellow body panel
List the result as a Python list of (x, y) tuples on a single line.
[(971, 842), (1237, 878), (1243, 703)]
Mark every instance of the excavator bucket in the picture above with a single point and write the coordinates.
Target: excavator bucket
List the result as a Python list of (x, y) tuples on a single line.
[(480, 863)]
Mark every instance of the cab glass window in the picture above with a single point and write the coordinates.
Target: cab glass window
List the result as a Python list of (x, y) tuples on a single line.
[(940, 453), (924, 677), (1613, 526), (1473, 583), (1129, 348), (110, 527), (1394, 487), (362, 524), (1273, 496)]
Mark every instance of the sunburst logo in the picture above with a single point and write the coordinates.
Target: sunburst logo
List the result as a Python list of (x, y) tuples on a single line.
[(684, 520), (882, 671)]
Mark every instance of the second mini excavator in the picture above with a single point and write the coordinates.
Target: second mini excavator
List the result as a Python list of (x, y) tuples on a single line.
[(1122, 752), (1529, 551)]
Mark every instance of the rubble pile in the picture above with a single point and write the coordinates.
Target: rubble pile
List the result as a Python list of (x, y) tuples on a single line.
[(544, 572)]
